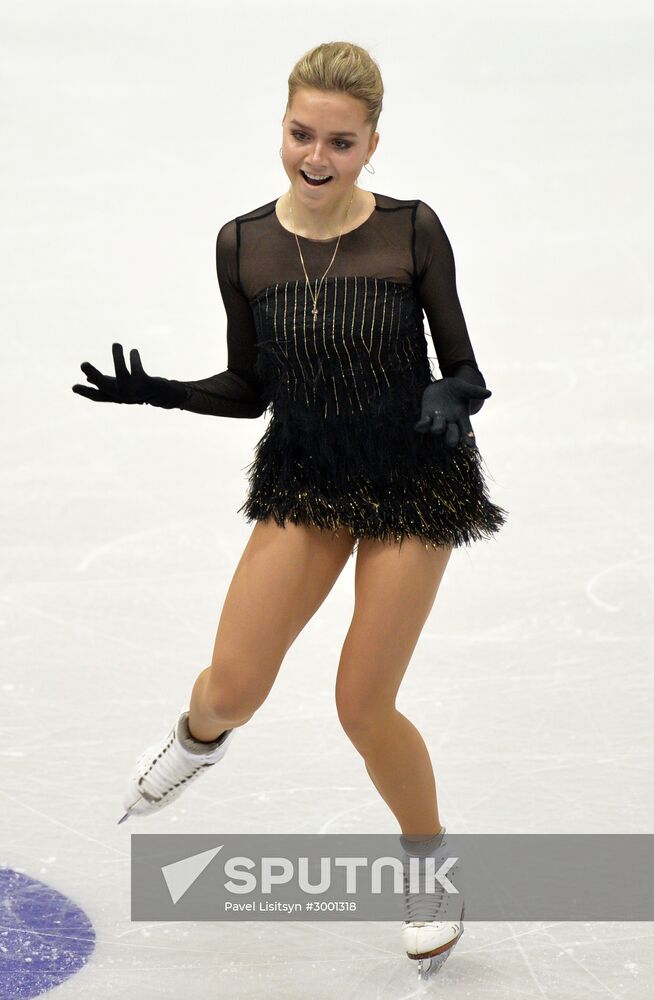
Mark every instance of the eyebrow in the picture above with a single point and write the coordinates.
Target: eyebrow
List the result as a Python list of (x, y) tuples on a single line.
[(308, 128)]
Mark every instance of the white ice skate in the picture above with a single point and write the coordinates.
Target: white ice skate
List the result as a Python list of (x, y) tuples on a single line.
[(429, 941), (164, 770)]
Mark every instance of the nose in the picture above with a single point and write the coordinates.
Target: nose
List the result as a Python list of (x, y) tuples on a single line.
[(317, 156)]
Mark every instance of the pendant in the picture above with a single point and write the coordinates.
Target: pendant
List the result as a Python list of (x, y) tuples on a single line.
[(315, 313)]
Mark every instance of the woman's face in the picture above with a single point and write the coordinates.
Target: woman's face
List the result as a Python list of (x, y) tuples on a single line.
[(313, 140)]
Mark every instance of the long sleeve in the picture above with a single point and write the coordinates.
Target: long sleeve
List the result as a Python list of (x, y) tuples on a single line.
[(436, 272), (236, 392)]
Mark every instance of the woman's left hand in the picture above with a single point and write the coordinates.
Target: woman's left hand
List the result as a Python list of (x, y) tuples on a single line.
[(446, 410)]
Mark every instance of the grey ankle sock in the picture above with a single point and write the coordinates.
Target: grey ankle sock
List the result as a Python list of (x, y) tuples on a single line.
[(422, 848), (190, 742)]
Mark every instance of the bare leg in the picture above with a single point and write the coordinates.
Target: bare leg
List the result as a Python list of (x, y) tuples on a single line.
[(401, 770), (282, 578), (395, 588), (203, 724)]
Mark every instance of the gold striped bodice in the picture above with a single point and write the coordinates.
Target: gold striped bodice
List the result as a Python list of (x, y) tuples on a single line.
[(367, 340)]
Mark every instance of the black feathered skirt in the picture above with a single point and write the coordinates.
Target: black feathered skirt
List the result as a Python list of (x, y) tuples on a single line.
[(343, 451)]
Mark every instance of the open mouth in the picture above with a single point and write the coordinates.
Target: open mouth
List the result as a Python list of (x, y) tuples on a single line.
[(315, 183)]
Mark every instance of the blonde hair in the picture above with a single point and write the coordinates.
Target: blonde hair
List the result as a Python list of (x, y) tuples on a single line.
[(344, 67)]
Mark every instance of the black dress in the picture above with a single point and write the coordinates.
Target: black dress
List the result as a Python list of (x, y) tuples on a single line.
[(345, 389)]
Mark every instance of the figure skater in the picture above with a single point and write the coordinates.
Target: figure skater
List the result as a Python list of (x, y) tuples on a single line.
[(365, 451)]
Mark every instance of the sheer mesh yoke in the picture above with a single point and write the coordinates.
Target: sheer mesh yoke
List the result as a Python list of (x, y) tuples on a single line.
[(345, 388), (402, 241)]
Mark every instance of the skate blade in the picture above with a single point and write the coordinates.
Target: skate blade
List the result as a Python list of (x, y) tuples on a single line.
[(434, 963), (428, 967), (127, 814)]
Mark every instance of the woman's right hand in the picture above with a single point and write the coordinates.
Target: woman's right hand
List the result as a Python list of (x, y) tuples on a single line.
[(128, 387)]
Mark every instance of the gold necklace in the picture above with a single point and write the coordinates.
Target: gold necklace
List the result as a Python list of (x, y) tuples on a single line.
[(314, 311)]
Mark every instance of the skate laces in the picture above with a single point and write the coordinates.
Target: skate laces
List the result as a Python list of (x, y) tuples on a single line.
[(423, 904), (426, 898), (169, 769)]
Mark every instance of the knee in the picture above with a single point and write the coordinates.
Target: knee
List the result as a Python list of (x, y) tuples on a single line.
[(361, 716)]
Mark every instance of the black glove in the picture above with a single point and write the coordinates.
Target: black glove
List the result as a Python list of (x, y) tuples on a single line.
[(446, 409), (126, 387)]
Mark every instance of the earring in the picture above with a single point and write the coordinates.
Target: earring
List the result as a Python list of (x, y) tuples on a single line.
[(280, 150), (369, 171)]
